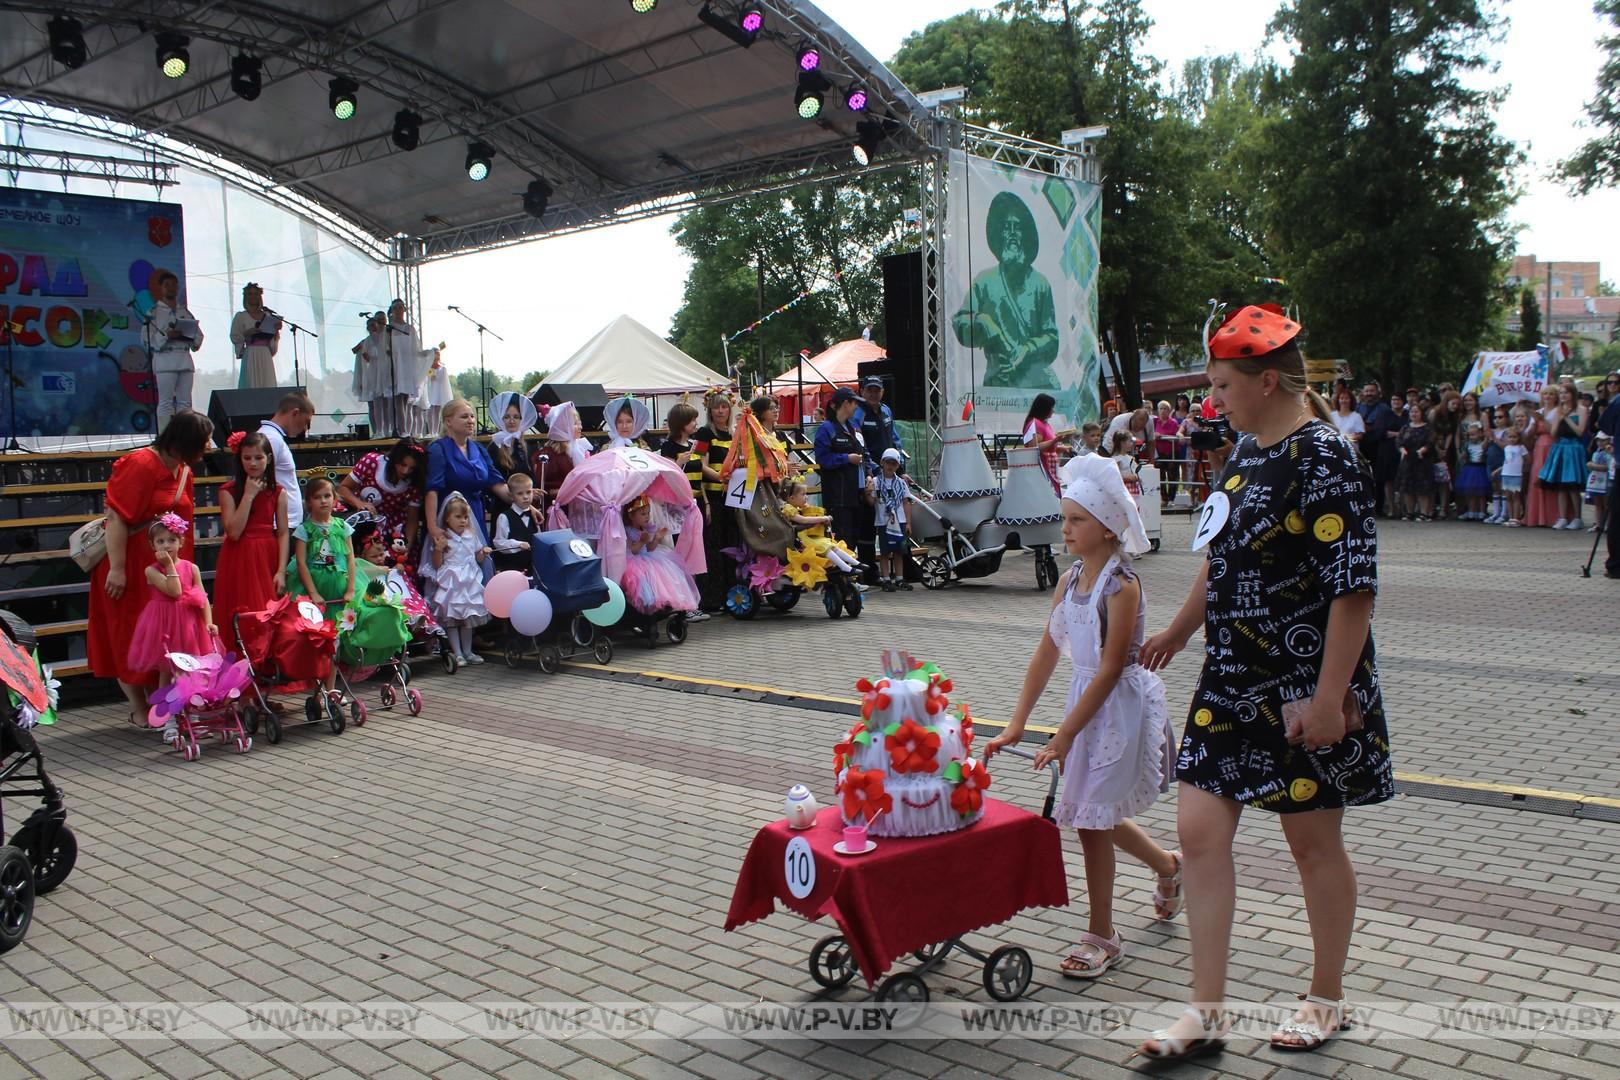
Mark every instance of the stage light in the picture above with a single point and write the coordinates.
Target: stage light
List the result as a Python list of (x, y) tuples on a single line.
[(855, 99), (743, 31), (340, 96), (810, 95), (479, 157), (641, 7), (869, 136), (246, 76), (809, 58), (173, 54), (536, 198), (67, 41), (407, 130)]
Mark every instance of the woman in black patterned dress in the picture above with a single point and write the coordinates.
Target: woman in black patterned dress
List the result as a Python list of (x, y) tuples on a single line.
[(1287, 716)]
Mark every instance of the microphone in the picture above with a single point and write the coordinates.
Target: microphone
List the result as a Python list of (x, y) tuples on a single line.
[(454, 308)]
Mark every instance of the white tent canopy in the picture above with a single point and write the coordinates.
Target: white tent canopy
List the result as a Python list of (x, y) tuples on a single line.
[(627, 358)]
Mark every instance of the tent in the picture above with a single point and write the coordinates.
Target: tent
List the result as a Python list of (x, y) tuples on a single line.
[(837, 366), (627, 358)]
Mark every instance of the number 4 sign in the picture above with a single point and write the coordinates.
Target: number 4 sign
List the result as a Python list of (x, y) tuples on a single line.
[(740, 490), (799, 867)]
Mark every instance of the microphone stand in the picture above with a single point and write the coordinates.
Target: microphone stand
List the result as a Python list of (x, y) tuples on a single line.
[(298, 379), (13, 384), (483, 381), (146, 347)]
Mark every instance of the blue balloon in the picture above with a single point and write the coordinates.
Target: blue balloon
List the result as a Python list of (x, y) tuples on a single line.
[(140, 275), (612, 611), (531, 612), (143, 302)]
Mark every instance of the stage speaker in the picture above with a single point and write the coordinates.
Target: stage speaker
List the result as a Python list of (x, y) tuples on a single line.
[(903, 386), (243, 410), (903, 306), (589, 398)]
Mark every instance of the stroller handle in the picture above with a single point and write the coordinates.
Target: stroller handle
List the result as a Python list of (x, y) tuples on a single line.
[(1052, 768)]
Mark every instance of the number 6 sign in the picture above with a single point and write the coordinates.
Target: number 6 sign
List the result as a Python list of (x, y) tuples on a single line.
[(799, 867)]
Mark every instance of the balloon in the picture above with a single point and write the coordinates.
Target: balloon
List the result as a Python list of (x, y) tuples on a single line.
[(144, 302), (612, 611), (140, 275), (531, 612), (502, 589)]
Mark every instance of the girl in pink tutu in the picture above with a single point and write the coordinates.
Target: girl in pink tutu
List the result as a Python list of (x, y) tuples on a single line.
[(178, 618), (654, 579)]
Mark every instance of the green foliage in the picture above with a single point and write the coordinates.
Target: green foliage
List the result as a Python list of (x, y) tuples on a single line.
[(1387, 183), (465, 384), (1597, 163), (959, 51), (1529, 321)]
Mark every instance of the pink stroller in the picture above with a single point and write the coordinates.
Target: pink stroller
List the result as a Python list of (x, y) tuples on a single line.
[(590, 503)]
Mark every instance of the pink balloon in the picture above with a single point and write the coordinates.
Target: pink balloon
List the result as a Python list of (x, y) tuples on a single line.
[(502, 589)]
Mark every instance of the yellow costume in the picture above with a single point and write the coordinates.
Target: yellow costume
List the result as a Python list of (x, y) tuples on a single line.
[(814, 537)]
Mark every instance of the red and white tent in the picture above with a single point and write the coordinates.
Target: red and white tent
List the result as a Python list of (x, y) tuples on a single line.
[(818, 376)]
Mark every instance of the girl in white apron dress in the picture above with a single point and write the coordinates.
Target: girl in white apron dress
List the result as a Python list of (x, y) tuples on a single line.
[(1116, 752)]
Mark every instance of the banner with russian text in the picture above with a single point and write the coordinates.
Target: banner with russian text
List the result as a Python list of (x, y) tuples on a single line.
[(1501, 378), (75, 281)]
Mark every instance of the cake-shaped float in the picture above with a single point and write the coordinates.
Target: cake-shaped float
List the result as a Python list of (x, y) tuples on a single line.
[(906, 767)]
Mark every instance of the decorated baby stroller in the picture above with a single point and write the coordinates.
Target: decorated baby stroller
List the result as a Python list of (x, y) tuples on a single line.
[(427, 636), (210, 697), (289, 647), (372, 638), (592, 502), (568, 573), (41, 853), (953, 522)]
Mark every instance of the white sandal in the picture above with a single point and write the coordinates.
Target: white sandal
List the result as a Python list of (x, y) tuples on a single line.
[(1097, 953), (1304, 1035), (1165, 907), (1210, 1040)]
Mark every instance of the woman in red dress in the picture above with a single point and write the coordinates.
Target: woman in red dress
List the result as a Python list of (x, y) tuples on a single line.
[(145, 484), (1540, 502), (252, 567)]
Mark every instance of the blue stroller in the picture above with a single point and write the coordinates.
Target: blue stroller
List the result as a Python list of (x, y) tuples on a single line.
[(568, 570)]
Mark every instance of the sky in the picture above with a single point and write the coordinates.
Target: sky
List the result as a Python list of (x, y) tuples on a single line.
[(548, 298)]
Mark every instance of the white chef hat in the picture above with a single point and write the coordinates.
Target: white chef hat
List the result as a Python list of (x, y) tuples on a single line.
[(1095, 484), (560, 422)]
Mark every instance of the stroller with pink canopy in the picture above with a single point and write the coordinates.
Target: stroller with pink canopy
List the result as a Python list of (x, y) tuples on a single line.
[(591, 503)]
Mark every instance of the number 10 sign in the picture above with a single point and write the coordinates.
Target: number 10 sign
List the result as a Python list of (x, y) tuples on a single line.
[(799, 867)]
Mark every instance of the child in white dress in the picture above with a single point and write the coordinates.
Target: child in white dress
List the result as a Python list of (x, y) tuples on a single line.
[(458, 581), (1114, 743)]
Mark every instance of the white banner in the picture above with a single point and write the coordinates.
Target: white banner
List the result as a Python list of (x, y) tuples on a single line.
[(1501, 378), (1021, 293)]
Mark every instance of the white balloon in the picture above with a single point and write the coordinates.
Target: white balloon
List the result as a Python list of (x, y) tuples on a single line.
[(531, 613)]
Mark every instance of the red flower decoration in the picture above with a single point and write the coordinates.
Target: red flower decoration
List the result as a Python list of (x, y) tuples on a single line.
[(937, 689), (842, 752), (966, 727), (863, 795), (913, 748), (873, 697), (968, 797)]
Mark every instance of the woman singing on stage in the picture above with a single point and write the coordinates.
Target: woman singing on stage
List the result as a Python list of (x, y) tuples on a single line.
[(256, 334)]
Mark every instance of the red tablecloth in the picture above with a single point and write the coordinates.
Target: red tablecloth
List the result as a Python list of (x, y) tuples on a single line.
[(909, 893)]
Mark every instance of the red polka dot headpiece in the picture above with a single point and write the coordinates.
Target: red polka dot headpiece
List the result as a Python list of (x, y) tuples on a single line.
[(1253, 331)]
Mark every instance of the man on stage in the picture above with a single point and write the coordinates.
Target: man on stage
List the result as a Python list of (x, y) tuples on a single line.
[(173, 335)]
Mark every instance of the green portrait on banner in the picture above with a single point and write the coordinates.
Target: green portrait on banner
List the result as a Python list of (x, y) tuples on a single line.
[(1010, 314)]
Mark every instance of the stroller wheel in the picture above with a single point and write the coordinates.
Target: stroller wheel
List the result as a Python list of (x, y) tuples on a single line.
[(250, 720), (1042, 582), (190, 750), (1007, 972), (741, 602), (414, 697), (448, 659), (357, 713), (513, 652), (1153, 544), (603, 652), (832, 601), (312, 709), (935, 571), (832, 965), (550, 659), (404, 672), (783, 599), (16, 897), (334, 714), (387, 695), (244, 744), (52, 867), (582, 630), (272, 727), (906, 988), (853, 603), (677, 628)]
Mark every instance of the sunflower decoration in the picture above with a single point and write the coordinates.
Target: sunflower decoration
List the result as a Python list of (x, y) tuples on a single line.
[(805, 568)]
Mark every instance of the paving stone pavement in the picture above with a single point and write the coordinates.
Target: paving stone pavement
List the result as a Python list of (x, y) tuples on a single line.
[(571, 838)]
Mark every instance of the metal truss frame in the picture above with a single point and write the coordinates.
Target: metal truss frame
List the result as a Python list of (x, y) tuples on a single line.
[(17, 158)]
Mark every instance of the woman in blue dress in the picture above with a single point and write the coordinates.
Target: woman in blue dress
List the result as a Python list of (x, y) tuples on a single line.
[(456, 462), (1565, 470)]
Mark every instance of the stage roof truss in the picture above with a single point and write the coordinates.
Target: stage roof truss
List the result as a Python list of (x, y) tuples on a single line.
[(623, 115)]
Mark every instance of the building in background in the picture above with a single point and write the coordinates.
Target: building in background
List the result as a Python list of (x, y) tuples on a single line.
[(1573, 309)]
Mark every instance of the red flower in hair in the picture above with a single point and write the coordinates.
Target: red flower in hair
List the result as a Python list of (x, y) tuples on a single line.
[(235, 440), (863, 795), (968, 797), (913, 748)]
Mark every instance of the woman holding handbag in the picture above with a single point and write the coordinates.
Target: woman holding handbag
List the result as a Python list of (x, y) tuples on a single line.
[(145, 484)]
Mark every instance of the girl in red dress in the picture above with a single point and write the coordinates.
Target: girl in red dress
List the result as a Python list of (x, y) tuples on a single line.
[(252, 567), (145, 484)]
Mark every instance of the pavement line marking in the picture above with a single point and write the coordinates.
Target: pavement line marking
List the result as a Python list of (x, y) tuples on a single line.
[(1043, 729)]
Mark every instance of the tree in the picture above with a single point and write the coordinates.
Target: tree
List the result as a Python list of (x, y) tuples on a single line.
[(1597, 163), (959, 51), (1388, 183), (1529, 320)]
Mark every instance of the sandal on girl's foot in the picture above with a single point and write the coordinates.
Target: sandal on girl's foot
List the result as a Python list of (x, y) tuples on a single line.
[(1310, 1032), (1167, 898), (1093, 956), (1168, 1047)]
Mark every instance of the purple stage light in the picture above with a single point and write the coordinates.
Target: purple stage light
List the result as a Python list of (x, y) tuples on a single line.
[(809, 59), (856, 101), (752, 21)]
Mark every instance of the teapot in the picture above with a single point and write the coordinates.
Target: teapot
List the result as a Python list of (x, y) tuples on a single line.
[(801, 807)]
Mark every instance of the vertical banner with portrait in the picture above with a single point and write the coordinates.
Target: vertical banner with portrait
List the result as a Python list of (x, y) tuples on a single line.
[(76, 277), (1021, 294)]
